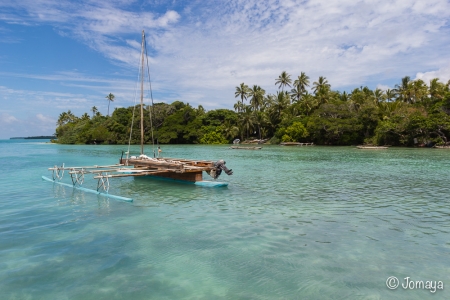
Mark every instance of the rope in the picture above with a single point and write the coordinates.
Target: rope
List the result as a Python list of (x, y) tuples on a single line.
[(152, 110), (134, 110)]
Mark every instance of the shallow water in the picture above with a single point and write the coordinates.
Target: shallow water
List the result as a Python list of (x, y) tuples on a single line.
[(294, 223)]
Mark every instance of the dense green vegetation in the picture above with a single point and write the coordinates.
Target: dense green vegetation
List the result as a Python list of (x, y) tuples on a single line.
[(411, 113)]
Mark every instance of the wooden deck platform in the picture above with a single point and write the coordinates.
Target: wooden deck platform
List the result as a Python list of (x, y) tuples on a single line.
[(173, 168)]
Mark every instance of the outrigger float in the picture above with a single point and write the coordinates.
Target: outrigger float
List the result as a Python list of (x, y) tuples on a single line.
[(175, 169)]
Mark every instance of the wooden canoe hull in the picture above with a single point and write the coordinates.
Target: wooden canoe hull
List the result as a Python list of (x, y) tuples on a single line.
[(296, 144), (245, 148)]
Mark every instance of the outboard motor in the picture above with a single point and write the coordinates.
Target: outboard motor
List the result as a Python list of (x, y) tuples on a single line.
[(219, 166)]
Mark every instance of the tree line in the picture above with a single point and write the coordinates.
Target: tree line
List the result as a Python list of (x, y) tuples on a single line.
[(413, 112)]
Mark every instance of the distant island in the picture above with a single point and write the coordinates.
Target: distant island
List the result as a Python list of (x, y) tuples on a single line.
[(40, 137)]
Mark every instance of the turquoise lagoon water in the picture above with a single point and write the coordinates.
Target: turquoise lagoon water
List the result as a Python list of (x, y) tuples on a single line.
[(294, 223)]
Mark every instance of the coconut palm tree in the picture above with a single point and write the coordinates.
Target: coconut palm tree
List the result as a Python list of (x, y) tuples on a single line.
[(283, 80), (257, 97), (378, 95), (201, 110), (360, 96), (281, 102), (242, 91), (247, 119), (238, 106), (70, 116), (110, 98), (321, 85), (302, 82), (403, 90), (436, 88), (296, 94), (260, 119), (308, 103), (389, 94), (321, 89), (322, 96), (418, 90), (388, 108), (344, 96), (94, 110), (63, 119), (230, 130)]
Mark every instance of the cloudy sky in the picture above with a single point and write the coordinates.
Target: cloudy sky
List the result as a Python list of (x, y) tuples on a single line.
[(58, 55)]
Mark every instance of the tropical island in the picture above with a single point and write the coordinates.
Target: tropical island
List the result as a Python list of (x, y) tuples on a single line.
[(413, 113)]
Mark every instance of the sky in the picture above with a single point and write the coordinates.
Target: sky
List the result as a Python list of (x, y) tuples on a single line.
[(58, 55)]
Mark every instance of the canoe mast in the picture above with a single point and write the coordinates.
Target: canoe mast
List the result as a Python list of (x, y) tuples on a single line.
[(142, 92)]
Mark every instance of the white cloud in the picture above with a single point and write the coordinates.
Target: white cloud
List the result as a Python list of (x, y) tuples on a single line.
[(45, 119), (107, 20), (28, 126), (443, 74), (7, 119), (201, 51), (383, 87)]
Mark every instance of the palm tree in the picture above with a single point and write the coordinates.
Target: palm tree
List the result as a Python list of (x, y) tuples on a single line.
[(238, 106), (281, 102), (435, 88), (63, 119), (283, 80), (70, 116), (201, 110), (308, 103), (94, 110), (230, 130), (321, 89), (322, 96), (110, 98), (302, 82), (378, 95), (296, 94), (344, 96), (359, 96), (242, 91), (388, 108), (389, 94), (247, 119), (418, 90), (321, 85), (257, 94), (402, 91), (260, 118)]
